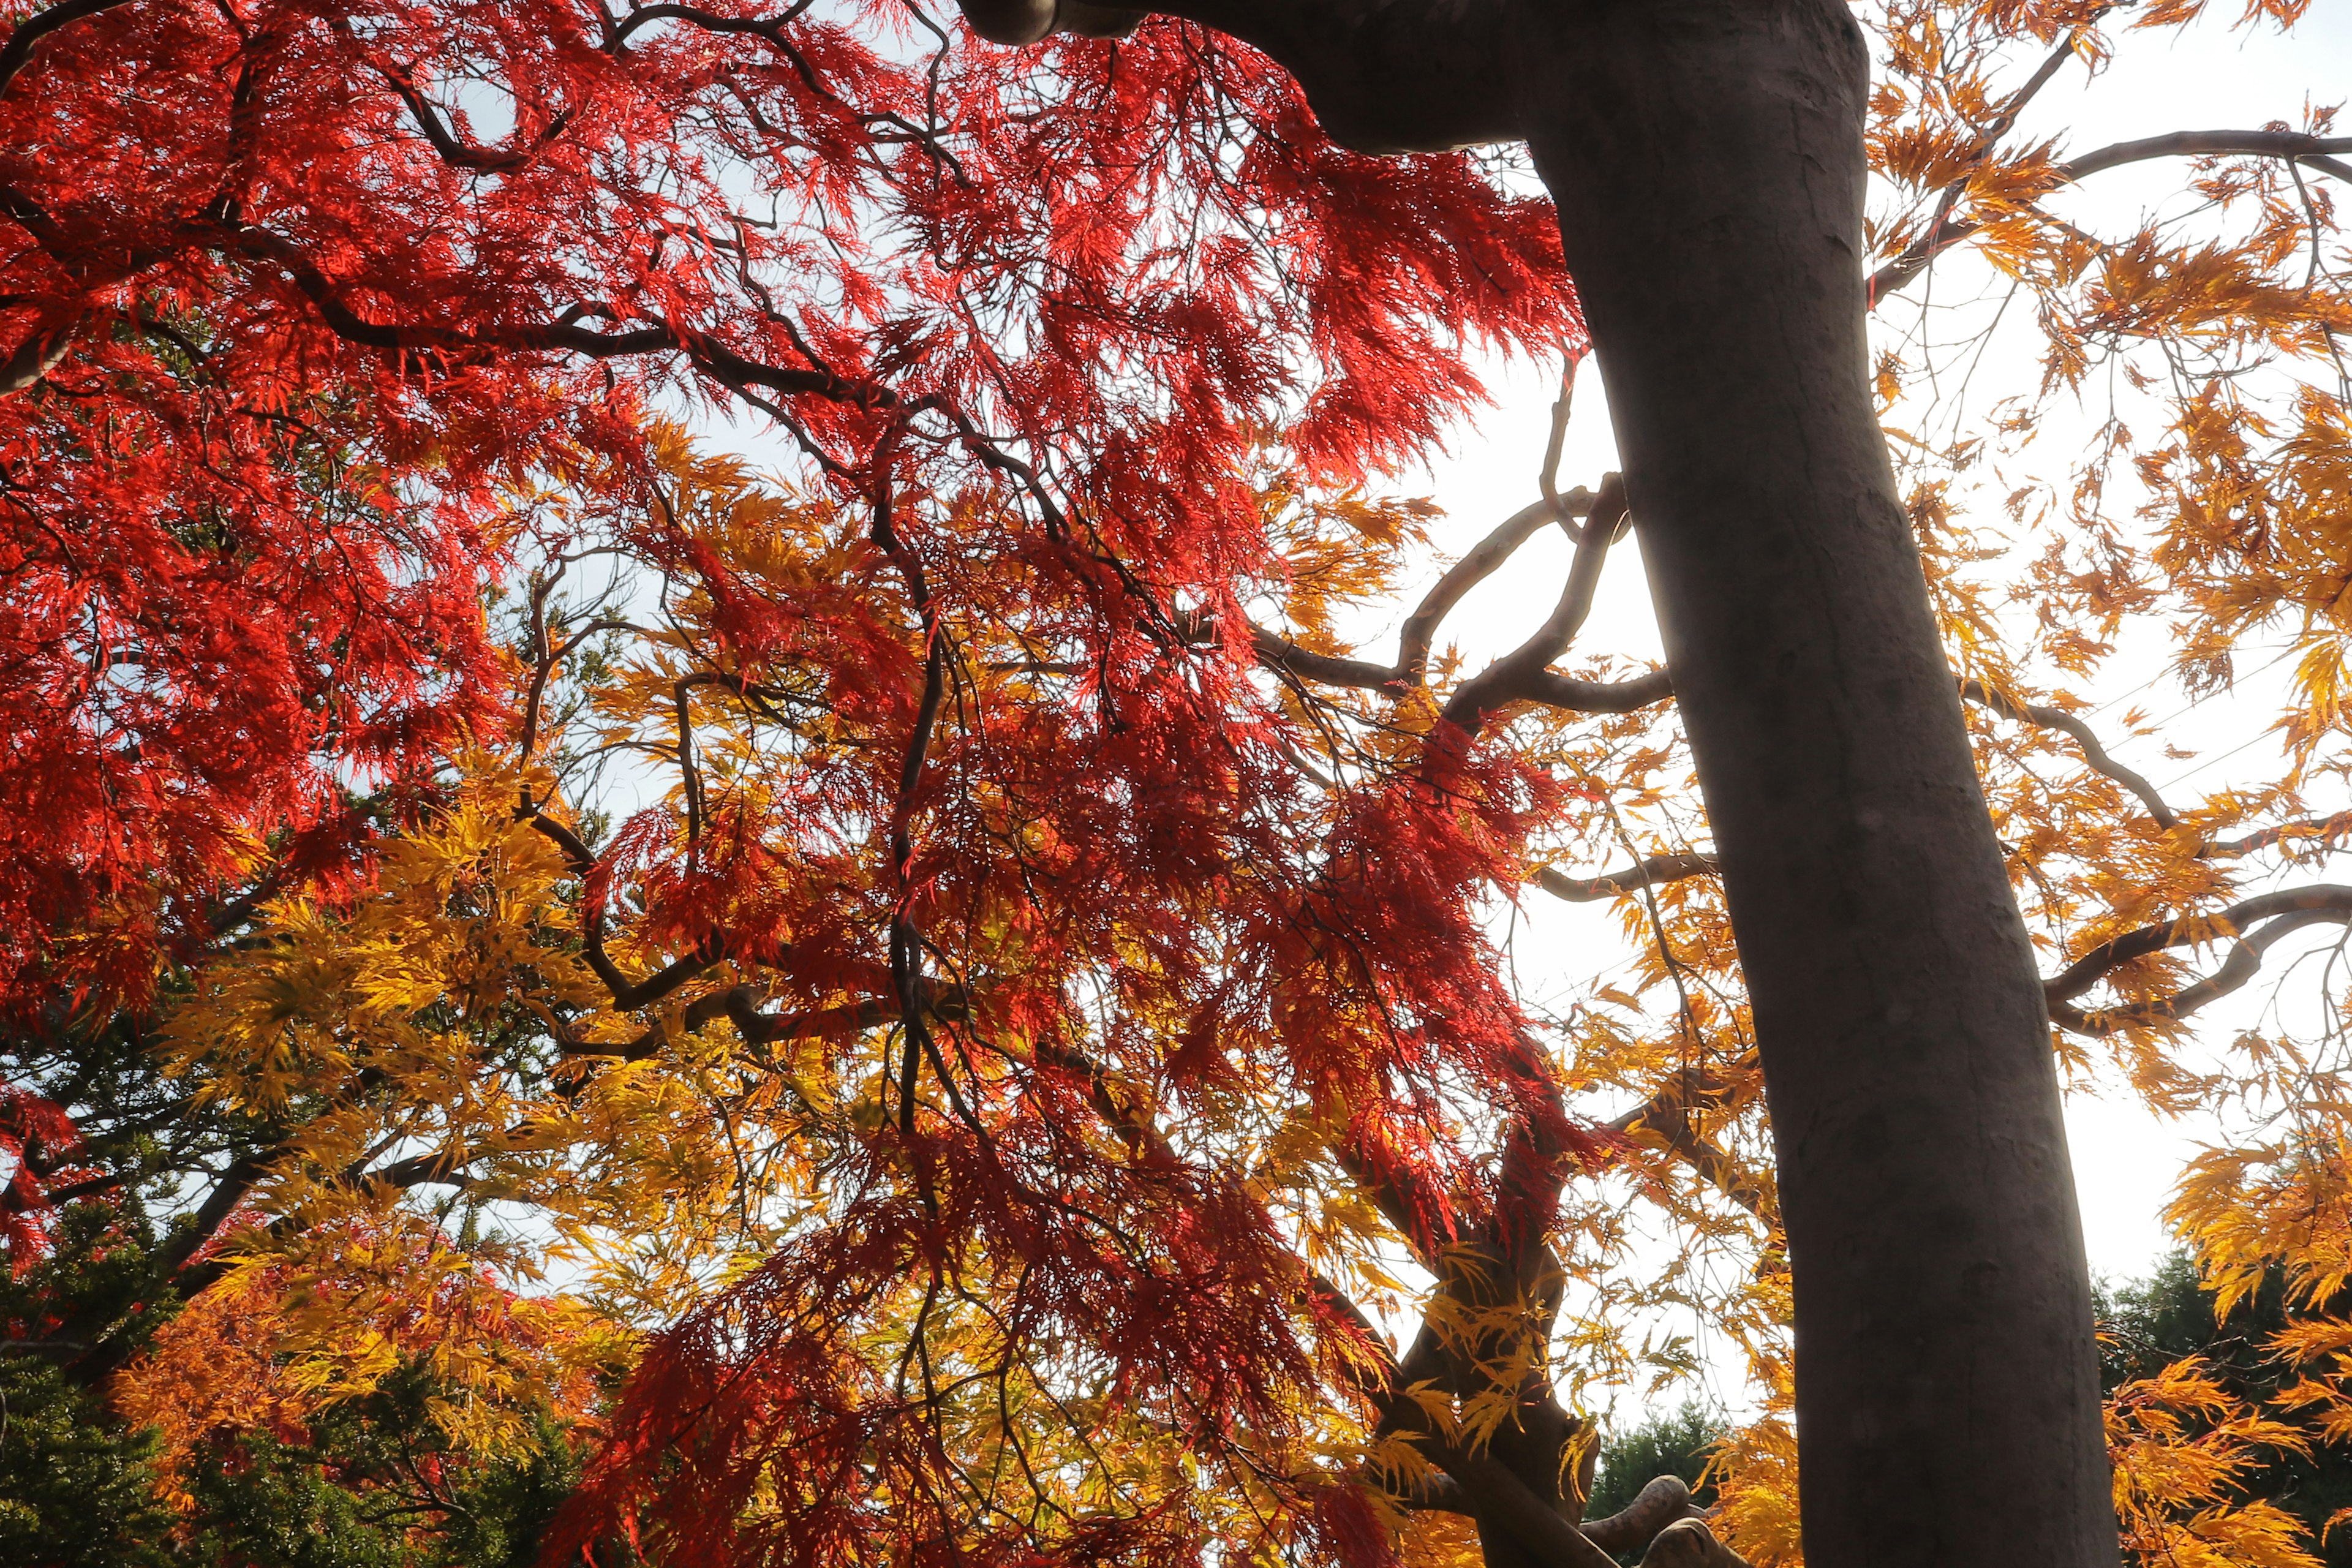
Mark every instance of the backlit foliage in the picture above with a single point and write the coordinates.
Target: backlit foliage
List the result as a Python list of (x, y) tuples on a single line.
[(948, 960)]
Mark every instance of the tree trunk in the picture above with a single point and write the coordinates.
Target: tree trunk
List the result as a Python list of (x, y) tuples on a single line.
[(1708, 163), (1707, 159)]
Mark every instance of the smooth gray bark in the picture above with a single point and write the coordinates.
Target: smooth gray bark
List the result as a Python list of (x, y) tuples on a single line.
[(1707, 159)]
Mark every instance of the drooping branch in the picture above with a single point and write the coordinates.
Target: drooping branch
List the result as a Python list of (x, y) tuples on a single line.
[(1548, 687), (348, 321), (460, 155), (628, 995), (2049, 718), (1649, 873), (770, 28), (2256, 923), (1667, 1116), (1419, 633), (740, 1005), (2321, 832), (2312, 152), (2088, 970), (1483, 560), (17, 53), (1521, 675), (1570, 695)]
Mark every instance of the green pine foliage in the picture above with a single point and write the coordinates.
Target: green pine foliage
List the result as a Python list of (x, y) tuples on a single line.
[(2148, 1324), (76, 1491), (370, 1482), (1674, 1444), (1671, 1445), (375, 1485)]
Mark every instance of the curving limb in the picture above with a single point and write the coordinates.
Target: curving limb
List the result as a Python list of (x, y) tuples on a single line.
[(1986, 697), (1419, 634), (1483, 560), (1649, 873), (1664, 1502), (2257, 924), (563, 335), (1666, 1117), (1547, 688), (1517, 674), (2320, 833), (453, 151), (2312, 152), (1277, 652), (628, 995), (17, 53), (37, 354)]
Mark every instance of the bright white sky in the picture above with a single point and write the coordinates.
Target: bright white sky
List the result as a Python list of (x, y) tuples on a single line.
[(2125, 1161)]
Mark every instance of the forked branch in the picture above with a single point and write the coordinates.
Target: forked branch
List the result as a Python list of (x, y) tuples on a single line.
[(2256, 923)]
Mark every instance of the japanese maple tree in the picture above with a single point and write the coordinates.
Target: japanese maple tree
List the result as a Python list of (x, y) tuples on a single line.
[(1048, 1019)]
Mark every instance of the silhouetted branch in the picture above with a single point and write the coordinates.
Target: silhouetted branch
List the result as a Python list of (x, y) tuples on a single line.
[(2278, 914), (17, 53), (1984, 696), (1483, 560), (628, 995), (1278, 652), (2312, 151), (1518, 675), (460, 155), (1649, 873), (2321, 830)]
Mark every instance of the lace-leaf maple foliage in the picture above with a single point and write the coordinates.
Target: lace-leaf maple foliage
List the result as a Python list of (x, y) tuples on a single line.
[(289, 286), (1041, 1013)]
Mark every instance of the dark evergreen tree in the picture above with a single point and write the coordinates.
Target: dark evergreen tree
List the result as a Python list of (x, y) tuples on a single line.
[(2148, 1324)]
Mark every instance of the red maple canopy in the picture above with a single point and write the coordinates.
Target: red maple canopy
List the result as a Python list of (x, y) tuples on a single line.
[(290, 290), (1032, 1012), (302, 299)]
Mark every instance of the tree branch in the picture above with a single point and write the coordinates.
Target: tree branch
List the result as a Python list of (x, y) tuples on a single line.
[(2088, 970), (740, 1005), (1570, 695), (628, 995), (1515, 675), (771, 28), (1484, 560), (2298, 146), (2283, 912), (1663, 1501), (1984, 696), (458, 154), (1546, 686), (2325, 830), (722, 365), (38, 354), (1277, 652), (17, 53), (1667, 1115), (1649, 873)]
